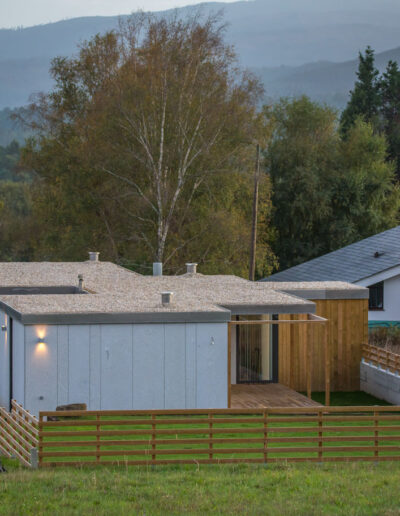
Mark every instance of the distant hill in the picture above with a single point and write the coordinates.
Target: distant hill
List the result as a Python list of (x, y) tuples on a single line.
[(322, 81), (275, 38), (266, 33)]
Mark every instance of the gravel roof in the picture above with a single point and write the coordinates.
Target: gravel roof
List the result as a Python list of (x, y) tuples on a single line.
[(351, 263), (115, 291)]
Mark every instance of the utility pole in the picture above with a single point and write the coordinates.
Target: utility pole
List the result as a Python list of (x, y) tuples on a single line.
[(253, 243)]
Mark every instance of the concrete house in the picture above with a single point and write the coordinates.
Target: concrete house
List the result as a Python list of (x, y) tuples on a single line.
[(93, 332), (373, 262)]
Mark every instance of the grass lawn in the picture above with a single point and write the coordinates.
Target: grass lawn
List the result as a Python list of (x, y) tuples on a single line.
[(343, 399), (298, 489)]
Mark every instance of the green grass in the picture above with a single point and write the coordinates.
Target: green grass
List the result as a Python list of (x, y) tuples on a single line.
[(344, 399), (301, 489)]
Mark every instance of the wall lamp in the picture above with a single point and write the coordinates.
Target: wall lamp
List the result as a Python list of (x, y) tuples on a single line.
[(41, 345)]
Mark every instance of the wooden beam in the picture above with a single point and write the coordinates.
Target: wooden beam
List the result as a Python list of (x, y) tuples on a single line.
[(327, 366), (281, 321), (229, 362), (309, 361)]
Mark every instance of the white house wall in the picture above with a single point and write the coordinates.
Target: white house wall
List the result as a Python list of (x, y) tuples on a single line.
[(123, 366), (391, 298), (18, 362), (4, 365)]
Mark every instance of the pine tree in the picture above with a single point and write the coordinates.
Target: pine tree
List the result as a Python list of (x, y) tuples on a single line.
[(365, 99), (390, 110)]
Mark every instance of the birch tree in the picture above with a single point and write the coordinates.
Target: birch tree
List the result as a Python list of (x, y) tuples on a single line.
[(156, 114)]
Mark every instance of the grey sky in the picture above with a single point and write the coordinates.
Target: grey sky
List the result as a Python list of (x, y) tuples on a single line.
[(15, 13)]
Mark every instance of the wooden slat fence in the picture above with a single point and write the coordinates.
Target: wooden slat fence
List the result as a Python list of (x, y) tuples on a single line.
[(316, 434), (19, 434), (381, 357)]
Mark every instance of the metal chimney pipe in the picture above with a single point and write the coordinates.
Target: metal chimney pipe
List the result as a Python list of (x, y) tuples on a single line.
[(157, 269), (93, 256), (166, 298), (191, 268), (80, 282)]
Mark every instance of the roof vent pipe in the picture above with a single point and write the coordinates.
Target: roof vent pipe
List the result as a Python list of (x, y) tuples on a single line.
[(157, 269), (191, 268), (80, 282), (166, 298), (93, 256)]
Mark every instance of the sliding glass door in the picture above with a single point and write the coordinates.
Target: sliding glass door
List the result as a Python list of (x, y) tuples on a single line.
[(255, 351)]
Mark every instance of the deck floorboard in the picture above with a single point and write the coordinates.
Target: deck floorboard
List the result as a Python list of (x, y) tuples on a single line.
[(268, 395)]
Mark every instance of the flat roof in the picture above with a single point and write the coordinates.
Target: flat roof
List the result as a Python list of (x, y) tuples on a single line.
[(117, 295)]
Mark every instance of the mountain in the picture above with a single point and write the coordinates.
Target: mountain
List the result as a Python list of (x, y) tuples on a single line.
[(325, 82), (275, 38)]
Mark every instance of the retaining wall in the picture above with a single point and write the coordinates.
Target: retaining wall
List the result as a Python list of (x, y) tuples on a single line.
[(380, 382)]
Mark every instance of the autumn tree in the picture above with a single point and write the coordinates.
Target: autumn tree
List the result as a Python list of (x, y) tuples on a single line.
[(145, 140)]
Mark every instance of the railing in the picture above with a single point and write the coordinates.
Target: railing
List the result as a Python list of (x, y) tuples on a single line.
[(19, 434), (381, 357), (316, 434)]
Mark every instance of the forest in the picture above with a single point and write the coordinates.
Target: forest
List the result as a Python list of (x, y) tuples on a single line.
[(145, 150)]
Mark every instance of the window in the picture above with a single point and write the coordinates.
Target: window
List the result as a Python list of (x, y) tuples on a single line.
[(376, 296)]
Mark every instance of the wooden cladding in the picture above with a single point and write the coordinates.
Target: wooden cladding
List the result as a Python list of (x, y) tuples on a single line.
[(347, 332), (382, 358), (316, 434), (19, 433)]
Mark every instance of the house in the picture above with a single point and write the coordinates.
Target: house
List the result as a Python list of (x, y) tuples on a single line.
[(93, 332), (373, 262)]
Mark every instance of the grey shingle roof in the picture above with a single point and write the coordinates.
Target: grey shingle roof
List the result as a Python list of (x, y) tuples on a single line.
[(351, 263)]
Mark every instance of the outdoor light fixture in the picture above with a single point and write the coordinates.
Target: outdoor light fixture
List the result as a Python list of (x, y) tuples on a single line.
[(41, 346)]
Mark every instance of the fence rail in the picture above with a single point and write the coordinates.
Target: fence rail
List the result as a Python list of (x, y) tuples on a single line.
[(316, 434), (19, 434), (381, 357)]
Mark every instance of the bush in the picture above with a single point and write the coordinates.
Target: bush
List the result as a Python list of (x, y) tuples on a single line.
[(387, 338)]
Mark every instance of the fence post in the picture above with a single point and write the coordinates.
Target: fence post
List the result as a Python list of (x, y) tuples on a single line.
[(97, 438), (265, 437), (376, 434), (210, 435), (320, 435), (40, 439), (153, 436), (34, 458)]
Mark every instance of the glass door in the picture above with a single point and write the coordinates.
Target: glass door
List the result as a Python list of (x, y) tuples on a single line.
[(254, 359)]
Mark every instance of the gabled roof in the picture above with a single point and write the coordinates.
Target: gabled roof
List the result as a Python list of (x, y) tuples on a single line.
[(351, 263)]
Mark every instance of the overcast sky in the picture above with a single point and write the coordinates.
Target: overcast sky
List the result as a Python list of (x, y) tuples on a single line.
[(16, 13)]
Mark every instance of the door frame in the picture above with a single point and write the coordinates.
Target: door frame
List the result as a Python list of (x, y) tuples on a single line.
[(275, 355)]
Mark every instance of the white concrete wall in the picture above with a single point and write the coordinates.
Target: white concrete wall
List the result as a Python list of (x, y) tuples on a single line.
[(4, 365), (380, 383), (125, 366)]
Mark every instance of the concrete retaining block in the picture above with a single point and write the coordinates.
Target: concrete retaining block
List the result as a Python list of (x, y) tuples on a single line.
[(380, 383)]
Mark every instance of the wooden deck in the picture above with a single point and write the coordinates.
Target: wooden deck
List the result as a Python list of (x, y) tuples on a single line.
[(268, 395)]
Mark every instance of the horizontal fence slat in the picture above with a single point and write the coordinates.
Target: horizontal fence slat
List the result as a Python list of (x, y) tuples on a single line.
[(183, 412)]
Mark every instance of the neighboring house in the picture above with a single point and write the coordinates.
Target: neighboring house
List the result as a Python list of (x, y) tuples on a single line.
[(373, 262), (96, 333)]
